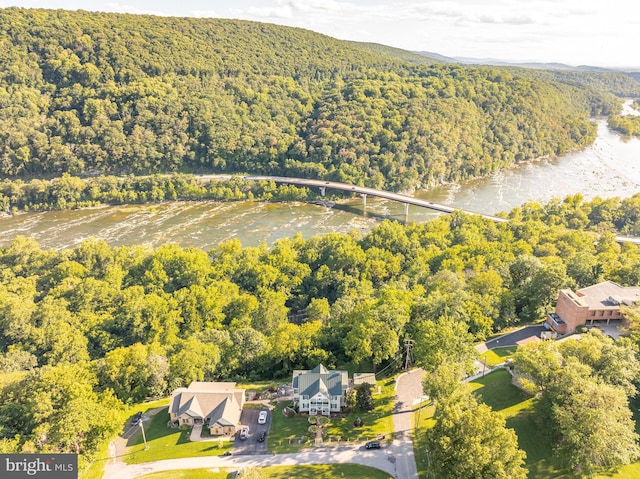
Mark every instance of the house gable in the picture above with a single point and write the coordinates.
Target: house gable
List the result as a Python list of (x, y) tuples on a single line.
[(320, 390), (217, 404)]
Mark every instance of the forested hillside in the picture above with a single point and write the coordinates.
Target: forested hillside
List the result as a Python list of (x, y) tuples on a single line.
[(89, 93)]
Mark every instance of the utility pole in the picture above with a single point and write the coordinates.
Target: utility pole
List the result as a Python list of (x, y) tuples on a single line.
[(408, 344), (144, 437)]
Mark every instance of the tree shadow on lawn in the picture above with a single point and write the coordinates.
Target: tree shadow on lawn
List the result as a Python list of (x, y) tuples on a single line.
[(495, 390), (533, 439)]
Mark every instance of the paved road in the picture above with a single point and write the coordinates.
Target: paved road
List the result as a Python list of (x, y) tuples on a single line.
[(408, 389), (328, 455)]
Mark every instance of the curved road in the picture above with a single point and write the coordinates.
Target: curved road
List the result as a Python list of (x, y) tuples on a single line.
[(397, 460), (408, 390)]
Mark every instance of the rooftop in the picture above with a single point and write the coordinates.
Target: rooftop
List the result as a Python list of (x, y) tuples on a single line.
[(608, 295)]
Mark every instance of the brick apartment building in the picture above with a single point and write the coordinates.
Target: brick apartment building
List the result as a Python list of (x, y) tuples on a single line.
[(591, 305)]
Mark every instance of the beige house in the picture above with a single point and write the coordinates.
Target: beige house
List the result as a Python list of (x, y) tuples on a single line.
[(214, 405), (595, 304)]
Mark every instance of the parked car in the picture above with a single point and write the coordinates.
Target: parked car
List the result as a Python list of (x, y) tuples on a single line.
[(262, 417), (136, 419), (244, 433), (261, 436), (372, 445)]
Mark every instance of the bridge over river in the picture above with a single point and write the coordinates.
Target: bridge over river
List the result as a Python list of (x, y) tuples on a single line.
[(364, 192)]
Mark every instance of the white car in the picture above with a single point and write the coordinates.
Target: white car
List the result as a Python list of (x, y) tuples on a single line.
[(262, 417)]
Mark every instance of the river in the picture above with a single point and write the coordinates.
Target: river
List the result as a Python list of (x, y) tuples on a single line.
[(610, 167)]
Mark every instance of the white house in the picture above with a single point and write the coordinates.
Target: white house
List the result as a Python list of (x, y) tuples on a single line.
[(320, 391)]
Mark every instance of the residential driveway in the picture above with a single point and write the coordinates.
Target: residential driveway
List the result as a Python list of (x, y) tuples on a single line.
[(249, 418)]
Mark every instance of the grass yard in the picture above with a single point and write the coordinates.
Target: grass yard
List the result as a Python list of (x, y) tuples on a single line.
[(499, 355), (284, 429), (95, 469), (259, 386), (189, 474), (422, 421), (325, 471), (377, 422), (168, 443), (496, 390)]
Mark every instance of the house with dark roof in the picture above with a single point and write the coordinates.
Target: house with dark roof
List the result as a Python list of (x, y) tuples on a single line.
[(593, 305), (319, 390), (216, 405)]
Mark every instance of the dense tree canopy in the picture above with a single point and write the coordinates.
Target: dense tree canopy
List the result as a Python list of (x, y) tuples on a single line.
[(88, 93), (133, 322)]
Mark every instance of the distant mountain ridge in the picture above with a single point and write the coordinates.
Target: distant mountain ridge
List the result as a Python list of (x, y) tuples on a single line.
[(533, 65)]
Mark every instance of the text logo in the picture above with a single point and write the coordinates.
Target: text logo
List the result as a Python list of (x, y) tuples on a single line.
[(39, 466)]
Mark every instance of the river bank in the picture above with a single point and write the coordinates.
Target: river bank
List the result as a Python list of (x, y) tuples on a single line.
[(606, 169)]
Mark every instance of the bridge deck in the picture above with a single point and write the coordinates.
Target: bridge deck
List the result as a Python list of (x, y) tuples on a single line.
[(362, 190)]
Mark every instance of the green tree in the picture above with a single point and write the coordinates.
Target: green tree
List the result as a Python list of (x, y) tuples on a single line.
[(595, 425), (444, 340), (133, 372), (62, 411), (469, 441), (194, 361), (364, 397)]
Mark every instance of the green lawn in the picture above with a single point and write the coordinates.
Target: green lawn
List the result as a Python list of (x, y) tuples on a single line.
[(284, 429), (377, 422), (168, 443), (422, 421), (496, 356), (496, 390), (327, 471), (95, 469), (189, 474)]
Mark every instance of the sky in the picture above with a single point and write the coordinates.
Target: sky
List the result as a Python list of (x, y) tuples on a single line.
[(574, 32)]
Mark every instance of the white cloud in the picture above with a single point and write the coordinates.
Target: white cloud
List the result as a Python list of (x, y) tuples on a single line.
[(124, 8), (282, 11)]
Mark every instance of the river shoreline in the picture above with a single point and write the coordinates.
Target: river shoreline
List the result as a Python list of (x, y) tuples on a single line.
[(608, 168)]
